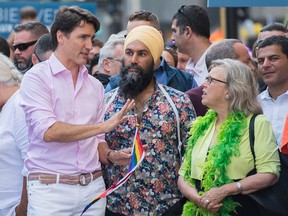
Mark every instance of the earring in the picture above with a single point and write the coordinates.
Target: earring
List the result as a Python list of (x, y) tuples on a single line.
[(227, 97)]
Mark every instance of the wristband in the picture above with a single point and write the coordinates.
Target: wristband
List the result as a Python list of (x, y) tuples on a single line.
[(109, 161), (239, 186)]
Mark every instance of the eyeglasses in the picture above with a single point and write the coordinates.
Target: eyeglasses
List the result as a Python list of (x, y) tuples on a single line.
[(209, 80), (181, 11), (24, 46), (114, 59)]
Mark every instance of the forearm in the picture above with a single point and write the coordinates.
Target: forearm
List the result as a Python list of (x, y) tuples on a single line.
[(250, 184), (188, 191), (103, 150), (65, 132), (21, 209)]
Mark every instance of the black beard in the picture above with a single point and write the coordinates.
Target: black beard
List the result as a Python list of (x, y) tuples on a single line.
[(133, 83)]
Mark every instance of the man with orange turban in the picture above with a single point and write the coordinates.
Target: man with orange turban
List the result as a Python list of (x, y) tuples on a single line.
[(163, 73), (163, 116)]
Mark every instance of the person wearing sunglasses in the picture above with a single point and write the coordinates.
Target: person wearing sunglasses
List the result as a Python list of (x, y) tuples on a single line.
[(218, 158), (25, 38), (191, 31)]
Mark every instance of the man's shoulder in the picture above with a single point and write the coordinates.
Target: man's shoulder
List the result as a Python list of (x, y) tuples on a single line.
[(113, 82), (179, 72), (172, 92), (38, 71), (180, 79), (114, 78), (195, 91), (109, 94)]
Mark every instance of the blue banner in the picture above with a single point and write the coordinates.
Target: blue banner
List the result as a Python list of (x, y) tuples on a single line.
[(247, 3), (9, 13)]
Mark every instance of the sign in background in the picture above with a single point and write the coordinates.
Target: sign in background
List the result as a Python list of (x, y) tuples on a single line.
[(247, 3), (9, 13)]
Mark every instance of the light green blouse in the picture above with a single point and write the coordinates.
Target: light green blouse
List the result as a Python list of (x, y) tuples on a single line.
[(267, 158)]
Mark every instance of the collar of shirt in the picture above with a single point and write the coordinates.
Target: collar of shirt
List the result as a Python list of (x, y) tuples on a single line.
[(199, 71), (265, 95), (58, 67), (199, 67)]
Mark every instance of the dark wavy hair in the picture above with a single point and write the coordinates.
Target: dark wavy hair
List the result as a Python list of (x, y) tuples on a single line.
[(68, 18)]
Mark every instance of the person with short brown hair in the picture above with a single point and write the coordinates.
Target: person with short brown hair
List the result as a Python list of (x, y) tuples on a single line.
[(64, 108)]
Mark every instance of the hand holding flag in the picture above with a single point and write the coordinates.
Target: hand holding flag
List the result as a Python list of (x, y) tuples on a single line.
[(137, 156)]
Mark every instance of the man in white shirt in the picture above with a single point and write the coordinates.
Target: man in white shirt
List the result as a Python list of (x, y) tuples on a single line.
[(191, 32), (272, 67)]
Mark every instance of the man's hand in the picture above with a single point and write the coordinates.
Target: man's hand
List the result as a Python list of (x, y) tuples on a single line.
[(21, 210), (121, 157), (119, 117)]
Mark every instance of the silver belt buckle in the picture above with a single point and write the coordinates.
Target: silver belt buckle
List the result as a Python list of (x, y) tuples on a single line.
[(82, 180)]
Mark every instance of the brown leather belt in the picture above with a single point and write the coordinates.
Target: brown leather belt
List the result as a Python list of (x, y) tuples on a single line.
[(82, 179)]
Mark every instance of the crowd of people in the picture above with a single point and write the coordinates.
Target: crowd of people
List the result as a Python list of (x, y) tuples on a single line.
[(70, 105)]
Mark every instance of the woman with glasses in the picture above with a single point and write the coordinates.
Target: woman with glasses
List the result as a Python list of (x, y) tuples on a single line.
[(218, 155), (13, 142)]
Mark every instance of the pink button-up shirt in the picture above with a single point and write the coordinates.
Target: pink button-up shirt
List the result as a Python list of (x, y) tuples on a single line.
[(48, 95)]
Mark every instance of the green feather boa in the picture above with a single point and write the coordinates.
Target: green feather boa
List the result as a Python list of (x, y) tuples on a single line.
[(214, 175)]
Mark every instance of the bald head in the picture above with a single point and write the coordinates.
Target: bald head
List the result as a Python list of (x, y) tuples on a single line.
[(229, 48)]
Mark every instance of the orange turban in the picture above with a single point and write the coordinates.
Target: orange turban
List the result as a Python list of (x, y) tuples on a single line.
[(149, 36)]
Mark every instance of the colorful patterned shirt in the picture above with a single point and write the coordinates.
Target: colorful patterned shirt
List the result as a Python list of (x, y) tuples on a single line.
[(152, 188)]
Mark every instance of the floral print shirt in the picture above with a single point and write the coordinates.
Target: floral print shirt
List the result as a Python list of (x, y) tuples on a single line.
[(152, 188)]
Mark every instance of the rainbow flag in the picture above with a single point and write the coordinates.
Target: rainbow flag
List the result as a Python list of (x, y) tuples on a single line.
[(137, 155), (137, 152), (284, 144)]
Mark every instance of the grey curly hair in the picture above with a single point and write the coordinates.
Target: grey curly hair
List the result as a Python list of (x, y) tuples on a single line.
[(9, 75)]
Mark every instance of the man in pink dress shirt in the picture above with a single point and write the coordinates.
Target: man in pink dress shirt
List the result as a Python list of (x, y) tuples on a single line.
[(64, 109)]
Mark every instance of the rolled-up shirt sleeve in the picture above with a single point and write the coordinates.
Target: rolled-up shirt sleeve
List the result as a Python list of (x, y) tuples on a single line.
[(36, 102)]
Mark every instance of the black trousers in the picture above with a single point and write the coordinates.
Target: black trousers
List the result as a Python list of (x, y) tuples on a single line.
[(248, 206)]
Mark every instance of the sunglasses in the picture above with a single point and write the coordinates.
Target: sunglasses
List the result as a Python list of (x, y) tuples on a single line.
[(209, 80), (24, 46), (181, 11)]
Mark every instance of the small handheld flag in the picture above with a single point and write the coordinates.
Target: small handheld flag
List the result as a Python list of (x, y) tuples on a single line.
[(284, 144), (137, 156)]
